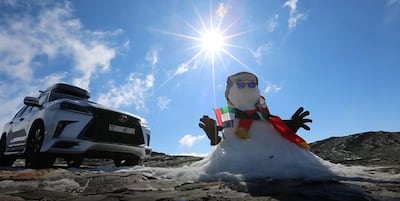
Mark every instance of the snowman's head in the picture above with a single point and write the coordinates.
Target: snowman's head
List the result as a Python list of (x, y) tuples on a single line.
[(242, 90)]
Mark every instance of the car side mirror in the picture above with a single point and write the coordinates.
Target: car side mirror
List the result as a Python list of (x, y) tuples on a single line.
[(31, 101)]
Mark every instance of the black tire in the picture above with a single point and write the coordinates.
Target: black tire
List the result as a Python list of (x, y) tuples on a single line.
[(6, 161), (132, 161), (33, 157), (74, 162)]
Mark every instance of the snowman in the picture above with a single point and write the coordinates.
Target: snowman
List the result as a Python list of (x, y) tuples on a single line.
[(255, 143)]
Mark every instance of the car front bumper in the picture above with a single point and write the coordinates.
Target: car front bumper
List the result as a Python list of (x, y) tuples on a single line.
[(91, 149)]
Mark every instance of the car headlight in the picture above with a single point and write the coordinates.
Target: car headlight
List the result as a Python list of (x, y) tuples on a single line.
[(143, 123), (72, 107)]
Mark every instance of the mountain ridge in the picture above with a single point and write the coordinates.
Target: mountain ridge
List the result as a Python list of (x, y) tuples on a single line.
[(367, 148)]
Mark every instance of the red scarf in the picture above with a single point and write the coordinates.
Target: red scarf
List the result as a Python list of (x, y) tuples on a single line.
[(247, 117)]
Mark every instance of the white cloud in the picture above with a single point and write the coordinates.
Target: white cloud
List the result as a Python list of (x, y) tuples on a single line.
[(163, 102), (103, 34), (31, 41), (54, 78), (272, 88), (273, 23), (52, 33), (222, 10), (189, 140), (134, 92), (292, 4), (293, 20), (88, 59), (182, 68), (294, 16), (126, 44), (261, 51), (152, 57)]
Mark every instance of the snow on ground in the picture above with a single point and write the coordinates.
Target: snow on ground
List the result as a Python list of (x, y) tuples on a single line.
[(200, 171), (364, 172)]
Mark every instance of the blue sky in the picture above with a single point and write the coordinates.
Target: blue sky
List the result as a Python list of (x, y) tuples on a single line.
[(339, 60)]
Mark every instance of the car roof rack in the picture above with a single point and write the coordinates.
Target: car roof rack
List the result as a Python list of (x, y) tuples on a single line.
[(69, 89)]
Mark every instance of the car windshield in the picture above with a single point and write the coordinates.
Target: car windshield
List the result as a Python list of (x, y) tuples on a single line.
[(55, 96)]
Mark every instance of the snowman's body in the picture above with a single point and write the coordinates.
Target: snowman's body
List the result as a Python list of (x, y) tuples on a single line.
[(264, 153)]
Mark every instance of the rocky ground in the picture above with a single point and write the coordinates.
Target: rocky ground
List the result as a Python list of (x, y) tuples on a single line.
[(99, 180), (370, 148)]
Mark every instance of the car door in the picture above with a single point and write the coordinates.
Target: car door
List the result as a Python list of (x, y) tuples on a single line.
[(18, 133), (10, 127)]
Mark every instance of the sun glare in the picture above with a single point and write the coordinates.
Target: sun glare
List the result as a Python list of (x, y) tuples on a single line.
[(212, 38), (212, 42)]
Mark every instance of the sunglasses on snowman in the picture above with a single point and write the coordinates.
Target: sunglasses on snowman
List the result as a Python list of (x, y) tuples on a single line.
[(242, 84)]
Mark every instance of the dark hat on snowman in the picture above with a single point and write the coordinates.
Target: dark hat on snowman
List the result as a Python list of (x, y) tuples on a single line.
[(238, 77)]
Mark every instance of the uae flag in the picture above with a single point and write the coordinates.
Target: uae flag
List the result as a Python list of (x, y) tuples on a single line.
[(224, 114)]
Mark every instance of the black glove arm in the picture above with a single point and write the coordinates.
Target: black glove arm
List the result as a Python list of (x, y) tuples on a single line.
[(298, 120), (290, 124), (210, 127)]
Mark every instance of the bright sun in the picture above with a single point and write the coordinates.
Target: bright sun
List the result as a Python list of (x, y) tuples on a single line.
[(213, 42)]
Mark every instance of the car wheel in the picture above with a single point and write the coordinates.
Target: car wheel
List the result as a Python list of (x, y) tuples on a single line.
[(74, 162), (33, 157), (5, 160), (127, 162)]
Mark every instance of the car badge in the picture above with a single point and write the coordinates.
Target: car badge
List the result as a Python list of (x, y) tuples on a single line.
[(122, 118)]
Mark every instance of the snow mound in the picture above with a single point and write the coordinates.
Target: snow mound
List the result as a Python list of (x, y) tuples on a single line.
[(264, 155)]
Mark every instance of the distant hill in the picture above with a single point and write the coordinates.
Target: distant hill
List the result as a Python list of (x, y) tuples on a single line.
[(369, 148)]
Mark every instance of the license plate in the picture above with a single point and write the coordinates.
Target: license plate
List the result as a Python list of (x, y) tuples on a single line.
[(121, 129)]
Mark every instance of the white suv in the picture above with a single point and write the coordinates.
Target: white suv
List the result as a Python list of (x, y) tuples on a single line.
[(62, 122)]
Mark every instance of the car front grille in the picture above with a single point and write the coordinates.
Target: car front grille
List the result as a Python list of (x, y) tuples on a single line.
[(98, 128)]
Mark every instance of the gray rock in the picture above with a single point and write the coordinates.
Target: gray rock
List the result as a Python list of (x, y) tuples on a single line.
[(368, 149)]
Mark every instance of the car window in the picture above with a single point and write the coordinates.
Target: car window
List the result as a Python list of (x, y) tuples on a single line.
[(43, 98), (55, 96)]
